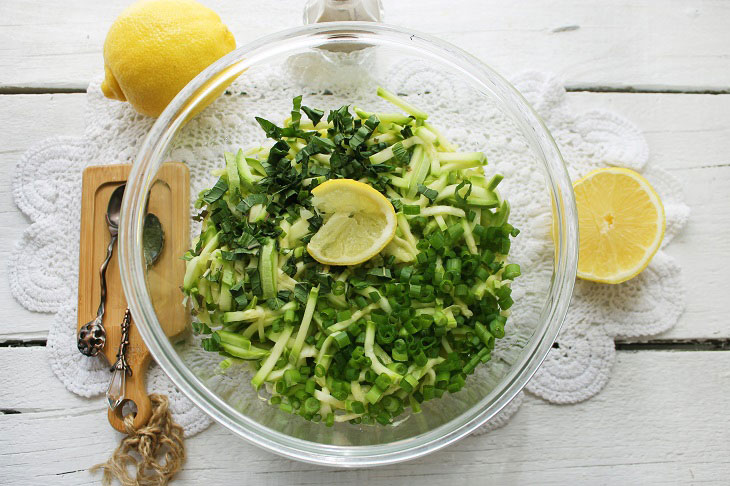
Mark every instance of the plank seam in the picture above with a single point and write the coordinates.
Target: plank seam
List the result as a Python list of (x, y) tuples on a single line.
[(649, 345), (577, 88), (20, 90), (677, 345), (23, 343), (644, 90)]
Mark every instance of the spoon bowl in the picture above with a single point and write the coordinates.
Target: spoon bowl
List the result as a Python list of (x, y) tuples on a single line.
[(114, 208)]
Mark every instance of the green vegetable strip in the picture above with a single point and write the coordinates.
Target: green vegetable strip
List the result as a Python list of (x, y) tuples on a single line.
[(323, 358), (277, 375), (443, 211), (419, 170), (381, 354), (476, 193), (234, 339), (325, 397), (385, 118), (234, 182), (347, 417), (494, 181), (304, 326), (469, 237), (382, 303), (426, 135), (357, 392), (441, 141), (403, 105), (388, 138), (377, 366), (406, 229), (398, 182), (242, 170), (435, 164), (251, 353), (251, 163), (260, 326), (270, 362), (196, 266), (355, 316), (256, 213), (267, 269), (387, 154), (225, 298), (476, 158), (242, 316)]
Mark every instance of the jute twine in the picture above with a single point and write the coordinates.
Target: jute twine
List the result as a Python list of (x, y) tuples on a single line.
[(155, 451)]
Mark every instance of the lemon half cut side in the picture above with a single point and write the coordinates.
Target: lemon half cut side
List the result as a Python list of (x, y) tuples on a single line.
[(621, 223), (358, 222)]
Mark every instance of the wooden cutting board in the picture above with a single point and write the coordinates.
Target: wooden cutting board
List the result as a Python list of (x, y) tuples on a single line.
[(169, 201)]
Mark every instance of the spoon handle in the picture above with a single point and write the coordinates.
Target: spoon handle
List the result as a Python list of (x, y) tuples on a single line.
[(116, 392), (102, 274)]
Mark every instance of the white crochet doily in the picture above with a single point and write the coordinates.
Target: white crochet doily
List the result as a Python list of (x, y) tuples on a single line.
[(47, 187)]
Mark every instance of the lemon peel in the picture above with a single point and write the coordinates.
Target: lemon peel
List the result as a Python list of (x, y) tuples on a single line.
[(155, 47)]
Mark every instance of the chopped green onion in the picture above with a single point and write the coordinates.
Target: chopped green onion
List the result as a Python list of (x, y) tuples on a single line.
[(411, 209), (511, 271)]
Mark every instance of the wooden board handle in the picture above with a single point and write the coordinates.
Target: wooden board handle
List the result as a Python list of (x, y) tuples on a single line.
[(138, 358)]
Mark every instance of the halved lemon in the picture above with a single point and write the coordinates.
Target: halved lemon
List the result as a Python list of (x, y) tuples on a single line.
[(621, 224), (358, 222)]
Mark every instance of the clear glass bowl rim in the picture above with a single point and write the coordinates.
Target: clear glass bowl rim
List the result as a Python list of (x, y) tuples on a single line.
[(150, 157)]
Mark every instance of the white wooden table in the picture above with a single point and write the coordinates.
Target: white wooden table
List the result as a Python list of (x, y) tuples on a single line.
[(664, 416)]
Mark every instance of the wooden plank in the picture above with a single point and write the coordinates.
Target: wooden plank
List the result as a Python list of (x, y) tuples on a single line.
[(687, 138), (700, 247), (26, 379), (27, 119), (687, 134), (644, 45), (648, 44), (684, 132), (647, 427), (61, 48)]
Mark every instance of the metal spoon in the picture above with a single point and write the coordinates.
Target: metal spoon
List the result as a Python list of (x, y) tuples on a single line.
[(153, 238), (92, 335)]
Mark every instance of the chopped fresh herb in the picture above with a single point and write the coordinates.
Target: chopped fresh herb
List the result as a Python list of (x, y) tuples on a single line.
[(313, 114), (271, 130), (431, 194), (301, 291), (213, 343), (201, 328), (216, 192), (461, 199), (380, 272), (250, 201), (400, 154)]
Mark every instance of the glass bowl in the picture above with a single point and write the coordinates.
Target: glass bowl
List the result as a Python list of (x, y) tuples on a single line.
[(343, 63)]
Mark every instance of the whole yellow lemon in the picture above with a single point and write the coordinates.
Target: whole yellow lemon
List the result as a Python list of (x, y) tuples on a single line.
[(155, 47)]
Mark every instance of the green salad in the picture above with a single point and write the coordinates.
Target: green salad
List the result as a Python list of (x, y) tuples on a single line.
[(363, 342)]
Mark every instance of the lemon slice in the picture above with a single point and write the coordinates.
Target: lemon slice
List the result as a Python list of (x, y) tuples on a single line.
[(621, 224), (358, 222)]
